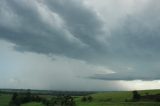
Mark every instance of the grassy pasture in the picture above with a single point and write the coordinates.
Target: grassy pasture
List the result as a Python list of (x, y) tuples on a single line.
[(119, 104), (99, 99), (33, 104), (4, 99), (118, 99)]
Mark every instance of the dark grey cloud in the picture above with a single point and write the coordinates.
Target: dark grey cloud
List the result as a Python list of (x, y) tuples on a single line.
[(51, 27), (71, 28), (82, 22)]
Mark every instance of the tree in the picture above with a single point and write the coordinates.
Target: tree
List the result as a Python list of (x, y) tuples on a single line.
[(14, 96), (90, 98), (15, 100), (27, 97), (136, 96), (84, 99)]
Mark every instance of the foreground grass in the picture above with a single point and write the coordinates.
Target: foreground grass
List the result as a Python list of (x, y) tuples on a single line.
[(119, 96), (119, 104), (117, 99), (104, 104), (33, 104), (4, 99)]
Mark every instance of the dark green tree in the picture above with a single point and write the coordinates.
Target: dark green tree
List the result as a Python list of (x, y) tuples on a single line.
[(84, 99), (90, 98), (136, 96), (15, 95)]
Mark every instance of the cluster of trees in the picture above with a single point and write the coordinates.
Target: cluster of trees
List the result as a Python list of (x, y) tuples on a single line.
[(19, 98), (63, 101), (87, 99)]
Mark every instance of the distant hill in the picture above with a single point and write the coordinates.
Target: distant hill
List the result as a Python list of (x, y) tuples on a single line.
[(48, 92)]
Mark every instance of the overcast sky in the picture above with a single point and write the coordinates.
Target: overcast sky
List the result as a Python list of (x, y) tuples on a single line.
[(80, 44)]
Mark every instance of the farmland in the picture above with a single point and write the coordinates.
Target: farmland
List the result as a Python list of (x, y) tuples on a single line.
[(115, 98)]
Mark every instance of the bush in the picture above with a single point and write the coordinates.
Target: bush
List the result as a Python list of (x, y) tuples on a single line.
[(136, 96), (90, 98), (84, 99)]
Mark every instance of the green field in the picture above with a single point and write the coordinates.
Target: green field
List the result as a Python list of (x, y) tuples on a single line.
[(4, 99), (33, 104), (99, 99), (117, 99), (118, 104)]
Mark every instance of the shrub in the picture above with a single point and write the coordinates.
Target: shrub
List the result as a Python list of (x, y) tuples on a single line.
[(84, 99), (90, 98), (136, 96)]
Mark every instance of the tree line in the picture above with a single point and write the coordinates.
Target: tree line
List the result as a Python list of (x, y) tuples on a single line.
[(19, 98)]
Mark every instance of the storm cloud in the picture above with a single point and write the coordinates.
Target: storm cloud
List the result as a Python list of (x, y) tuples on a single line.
[(94, 40), (56, 27)]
